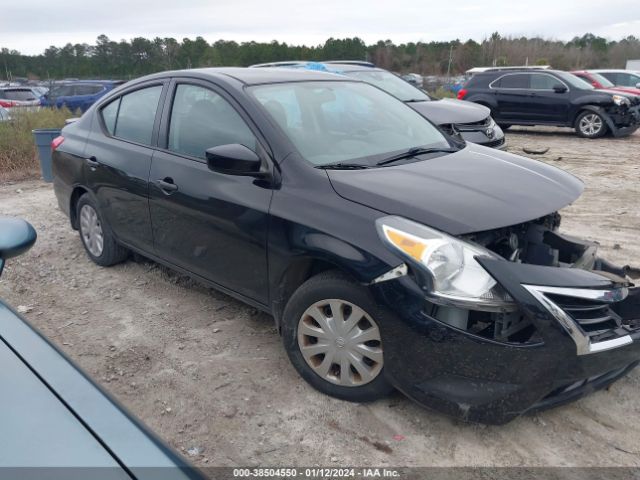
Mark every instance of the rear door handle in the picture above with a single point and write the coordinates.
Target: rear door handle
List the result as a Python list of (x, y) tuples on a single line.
[(92, 162), (167, 185)]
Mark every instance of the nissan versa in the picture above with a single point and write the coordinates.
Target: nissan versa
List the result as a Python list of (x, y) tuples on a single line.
[(390, 255)]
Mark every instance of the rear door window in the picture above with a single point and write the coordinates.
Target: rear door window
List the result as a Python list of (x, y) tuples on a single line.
[(512, 81), (202, 119), (132, 116), (88, 89), (20, 95)]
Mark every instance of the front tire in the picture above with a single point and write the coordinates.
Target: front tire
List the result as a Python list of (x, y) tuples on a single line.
[(98, 241), (333, 340), (590, 124)]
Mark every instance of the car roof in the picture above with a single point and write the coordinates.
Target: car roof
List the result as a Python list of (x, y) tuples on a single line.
[(252, 76), (331, 66), (612, 70)]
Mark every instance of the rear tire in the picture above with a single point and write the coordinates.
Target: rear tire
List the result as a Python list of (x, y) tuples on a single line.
[(331, 336), (590, 124), (96, 236)]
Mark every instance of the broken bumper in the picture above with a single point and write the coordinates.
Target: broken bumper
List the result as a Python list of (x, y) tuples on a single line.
[(488, 381), (625, 123)]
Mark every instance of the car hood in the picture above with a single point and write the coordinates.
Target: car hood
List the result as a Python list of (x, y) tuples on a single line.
[(627, 90), (615, 91), (451, 111), (472, 190)]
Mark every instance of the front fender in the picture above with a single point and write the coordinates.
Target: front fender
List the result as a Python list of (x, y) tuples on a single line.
[(600, 111)]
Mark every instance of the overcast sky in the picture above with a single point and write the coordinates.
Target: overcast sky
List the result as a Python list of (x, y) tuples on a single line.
[(31, 26)]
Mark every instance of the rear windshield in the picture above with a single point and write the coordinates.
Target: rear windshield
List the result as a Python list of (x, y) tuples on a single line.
[(20, 95)]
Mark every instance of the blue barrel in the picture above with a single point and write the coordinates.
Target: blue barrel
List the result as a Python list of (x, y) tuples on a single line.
[(43, 138)]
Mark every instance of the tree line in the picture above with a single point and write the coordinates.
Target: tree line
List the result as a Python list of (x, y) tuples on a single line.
[(127, 59)]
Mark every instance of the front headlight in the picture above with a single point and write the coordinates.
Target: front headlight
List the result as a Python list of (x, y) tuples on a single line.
[(620, 100), (456, 278)]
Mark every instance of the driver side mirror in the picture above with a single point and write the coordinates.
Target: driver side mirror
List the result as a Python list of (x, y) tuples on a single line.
[(16, 237), (235, 159), (559, 88)]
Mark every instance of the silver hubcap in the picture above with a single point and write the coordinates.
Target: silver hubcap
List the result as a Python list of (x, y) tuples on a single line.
[(91, 230), (340, 342), (591, 124)]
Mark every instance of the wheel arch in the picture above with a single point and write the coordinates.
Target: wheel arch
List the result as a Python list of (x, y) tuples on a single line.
[(303, 268), (76, 193), (596, 109)]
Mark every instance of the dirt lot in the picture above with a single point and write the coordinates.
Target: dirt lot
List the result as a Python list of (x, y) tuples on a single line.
[(209, 375)]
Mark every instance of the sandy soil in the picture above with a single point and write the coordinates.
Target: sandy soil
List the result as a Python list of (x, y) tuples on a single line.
[(209, 375)]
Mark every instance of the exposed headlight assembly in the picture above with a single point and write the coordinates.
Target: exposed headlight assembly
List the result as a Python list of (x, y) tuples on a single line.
[(620, 100), (454, 276)]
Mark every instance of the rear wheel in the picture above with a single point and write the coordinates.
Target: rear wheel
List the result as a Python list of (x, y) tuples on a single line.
[(590, 125), (96, 236), (332, 337)]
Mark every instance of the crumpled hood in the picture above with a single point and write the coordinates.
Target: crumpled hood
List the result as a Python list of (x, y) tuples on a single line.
[(451, 111), (472, 190)]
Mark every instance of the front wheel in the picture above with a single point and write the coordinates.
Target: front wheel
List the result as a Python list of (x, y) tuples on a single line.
[(590, 125), (332, 337)]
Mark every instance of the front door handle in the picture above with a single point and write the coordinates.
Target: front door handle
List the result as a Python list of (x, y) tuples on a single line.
[(167, 185), (92, 162)]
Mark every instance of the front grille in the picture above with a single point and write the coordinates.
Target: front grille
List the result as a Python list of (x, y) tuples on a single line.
[(474, 125), (494, 143), (591, 317), (595, 318)]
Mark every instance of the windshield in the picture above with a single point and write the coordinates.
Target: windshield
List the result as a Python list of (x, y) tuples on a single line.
[(573, 81), (338, 122), (602, 80), (391, 84)]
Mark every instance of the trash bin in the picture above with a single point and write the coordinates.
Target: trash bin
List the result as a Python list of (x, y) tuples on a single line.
[(43, 138)]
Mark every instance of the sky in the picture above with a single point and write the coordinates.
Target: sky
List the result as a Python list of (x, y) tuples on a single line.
[(32, 26)]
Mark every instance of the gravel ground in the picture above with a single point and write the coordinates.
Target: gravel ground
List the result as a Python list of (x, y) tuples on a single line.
[(209, 375)]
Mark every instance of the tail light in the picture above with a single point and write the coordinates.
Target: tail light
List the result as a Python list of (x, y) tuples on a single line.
[(461, 93), (7, 103), (56, 142)]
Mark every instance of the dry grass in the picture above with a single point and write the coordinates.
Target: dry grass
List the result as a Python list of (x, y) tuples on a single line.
[(18, 155)]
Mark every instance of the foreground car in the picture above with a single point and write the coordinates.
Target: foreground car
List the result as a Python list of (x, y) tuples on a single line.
[(553, 97), (57, 423), (472, 122), (389, 254)]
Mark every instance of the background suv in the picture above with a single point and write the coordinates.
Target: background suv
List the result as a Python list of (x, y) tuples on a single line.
[(472, 122), (621, 78), (600, 81), (78, 95), (11, 97), (553, 97)]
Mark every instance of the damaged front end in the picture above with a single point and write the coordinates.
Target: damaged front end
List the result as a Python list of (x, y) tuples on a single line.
[(623, 118), (564, 323)]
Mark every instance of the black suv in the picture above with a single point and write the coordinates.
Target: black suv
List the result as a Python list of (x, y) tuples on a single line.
[(552, 97)]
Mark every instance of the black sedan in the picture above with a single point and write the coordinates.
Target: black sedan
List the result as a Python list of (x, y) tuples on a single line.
[(56, 422), (389, 254)]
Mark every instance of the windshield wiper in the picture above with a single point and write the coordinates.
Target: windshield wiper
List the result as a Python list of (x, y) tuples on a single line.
[(412, 152), (343, 166)]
